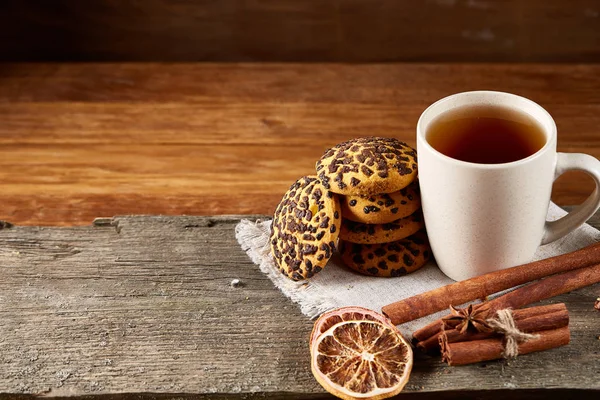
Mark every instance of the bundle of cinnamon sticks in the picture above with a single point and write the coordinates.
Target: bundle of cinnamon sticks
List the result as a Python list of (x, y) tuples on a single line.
[(458, 337), (548, 324)]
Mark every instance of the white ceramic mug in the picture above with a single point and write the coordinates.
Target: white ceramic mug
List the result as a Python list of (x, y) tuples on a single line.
[(485, 217)]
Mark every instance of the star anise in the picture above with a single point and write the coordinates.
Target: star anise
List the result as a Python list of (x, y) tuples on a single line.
[(462, 319)]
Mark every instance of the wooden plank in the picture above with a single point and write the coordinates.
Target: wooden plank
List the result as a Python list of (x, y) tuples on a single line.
[(297, 30), (136, 305), (392, 84), (82, 140)]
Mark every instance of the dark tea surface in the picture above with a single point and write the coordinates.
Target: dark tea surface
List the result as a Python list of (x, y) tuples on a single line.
[(486, 134)]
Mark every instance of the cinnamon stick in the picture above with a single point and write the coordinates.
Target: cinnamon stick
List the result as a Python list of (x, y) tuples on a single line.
[(547, 288), (482, 286), (432, 345), (433, 328), (462, 353), (532, 319), (427, 331), (534, 292)]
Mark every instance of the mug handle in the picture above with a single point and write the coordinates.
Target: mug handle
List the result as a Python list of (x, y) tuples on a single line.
[(581, 162)]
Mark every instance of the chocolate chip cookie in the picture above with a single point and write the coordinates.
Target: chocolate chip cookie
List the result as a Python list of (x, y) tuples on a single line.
[(305, 227), (387, 259), (357, 232), (382, 208), (368, 166)]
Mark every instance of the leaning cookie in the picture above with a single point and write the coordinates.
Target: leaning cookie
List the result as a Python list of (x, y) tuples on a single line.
[(357, 232), (382, 208), (368, 166), (305, 228), (387, 259)]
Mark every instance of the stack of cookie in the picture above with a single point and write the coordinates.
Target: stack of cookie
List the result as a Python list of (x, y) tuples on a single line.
[(366, 193), (382, 224)]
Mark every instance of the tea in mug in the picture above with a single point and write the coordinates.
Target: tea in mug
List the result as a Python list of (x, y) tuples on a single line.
[(486, 134)]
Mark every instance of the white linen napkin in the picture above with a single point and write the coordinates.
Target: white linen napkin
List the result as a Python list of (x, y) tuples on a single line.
[(337, 286)]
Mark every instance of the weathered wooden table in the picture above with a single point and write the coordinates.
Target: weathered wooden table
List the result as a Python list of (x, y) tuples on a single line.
[(136, 307)]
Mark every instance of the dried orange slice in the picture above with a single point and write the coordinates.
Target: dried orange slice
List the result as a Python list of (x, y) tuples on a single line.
[(361, 359), (352, 313)]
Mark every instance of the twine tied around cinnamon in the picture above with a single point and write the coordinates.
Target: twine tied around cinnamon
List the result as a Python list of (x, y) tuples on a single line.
[(504, 324)]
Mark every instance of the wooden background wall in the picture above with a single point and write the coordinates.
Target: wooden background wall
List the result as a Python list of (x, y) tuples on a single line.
[(300, 30)]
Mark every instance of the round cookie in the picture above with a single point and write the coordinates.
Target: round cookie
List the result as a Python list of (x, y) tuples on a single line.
[(382, 208), (387, 259), (367, 166), (305, 227), (357, 232)]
